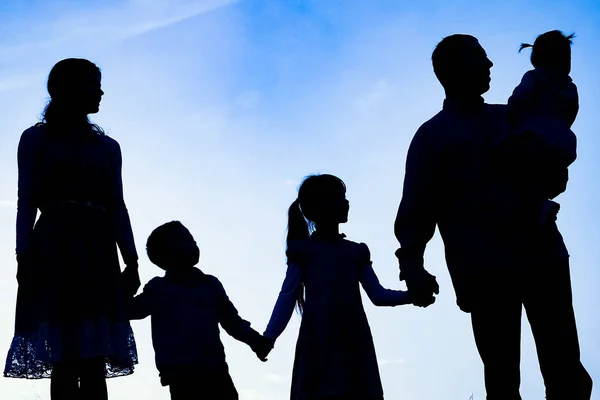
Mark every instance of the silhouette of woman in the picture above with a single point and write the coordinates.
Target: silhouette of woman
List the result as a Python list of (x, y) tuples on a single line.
[(70, 324), (335, 355)]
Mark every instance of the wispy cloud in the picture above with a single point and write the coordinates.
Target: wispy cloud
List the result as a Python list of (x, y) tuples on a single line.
[(111, 22)]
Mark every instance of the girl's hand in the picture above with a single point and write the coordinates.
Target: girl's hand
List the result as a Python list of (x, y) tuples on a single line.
[(422, 302), (263, 347)]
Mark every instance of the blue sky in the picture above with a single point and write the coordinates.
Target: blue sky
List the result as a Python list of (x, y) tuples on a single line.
[(221, 107)]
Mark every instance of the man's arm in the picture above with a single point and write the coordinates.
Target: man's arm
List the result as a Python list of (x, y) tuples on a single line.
[(416, 219)]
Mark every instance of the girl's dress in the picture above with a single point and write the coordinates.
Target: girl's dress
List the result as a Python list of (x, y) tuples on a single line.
[(335, 354), (72, 307)]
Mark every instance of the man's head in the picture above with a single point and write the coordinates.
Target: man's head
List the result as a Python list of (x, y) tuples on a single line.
[(462, 66)]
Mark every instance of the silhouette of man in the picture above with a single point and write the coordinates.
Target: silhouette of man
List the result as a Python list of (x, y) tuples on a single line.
[(499, 258)]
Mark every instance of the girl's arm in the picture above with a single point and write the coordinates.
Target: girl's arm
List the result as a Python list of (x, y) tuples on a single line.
[(284, 307), (379, 295)]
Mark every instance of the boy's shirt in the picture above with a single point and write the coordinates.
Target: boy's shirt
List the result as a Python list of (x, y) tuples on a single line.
[(186, 309)]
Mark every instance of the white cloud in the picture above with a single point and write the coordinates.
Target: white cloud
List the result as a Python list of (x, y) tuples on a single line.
[(274, 378), (252, 395), (395, 361)]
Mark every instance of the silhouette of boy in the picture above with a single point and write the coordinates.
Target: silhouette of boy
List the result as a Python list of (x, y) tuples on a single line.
[(186, 307)]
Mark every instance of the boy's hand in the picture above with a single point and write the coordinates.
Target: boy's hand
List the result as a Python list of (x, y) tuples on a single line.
[(263, 347)]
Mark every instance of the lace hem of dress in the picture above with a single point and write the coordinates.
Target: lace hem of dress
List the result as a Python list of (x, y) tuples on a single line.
[(33, 357)]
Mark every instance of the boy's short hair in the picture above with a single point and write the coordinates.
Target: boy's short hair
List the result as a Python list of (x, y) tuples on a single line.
[(157, 245)]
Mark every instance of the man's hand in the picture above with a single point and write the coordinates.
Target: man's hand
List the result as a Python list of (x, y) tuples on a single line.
[(421, 287)]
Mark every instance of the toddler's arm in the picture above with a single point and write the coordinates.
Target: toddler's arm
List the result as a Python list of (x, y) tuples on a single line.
[(379, 295), (523, 94), (284, 307)]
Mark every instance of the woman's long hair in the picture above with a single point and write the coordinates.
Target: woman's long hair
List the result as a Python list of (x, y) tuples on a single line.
[(305, 209), (64, 77)]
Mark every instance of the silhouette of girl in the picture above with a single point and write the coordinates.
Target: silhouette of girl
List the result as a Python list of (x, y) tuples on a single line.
[(70, 323), (335, 355)]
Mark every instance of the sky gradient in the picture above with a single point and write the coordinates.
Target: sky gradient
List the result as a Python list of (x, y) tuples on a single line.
[(222, 107)]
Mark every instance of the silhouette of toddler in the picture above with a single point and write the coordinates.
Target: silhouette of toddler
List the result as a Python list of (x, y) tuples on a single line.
[(543, 108)]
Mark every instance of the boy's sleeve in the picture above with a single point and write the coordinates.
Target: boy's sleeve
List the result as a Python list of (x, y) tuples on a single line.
[(140, 306), (230, 320)]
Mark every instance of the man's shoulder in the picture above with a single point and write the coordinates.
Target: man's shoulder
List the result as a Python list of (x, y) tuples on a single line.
[(497, 110), (433, 128)]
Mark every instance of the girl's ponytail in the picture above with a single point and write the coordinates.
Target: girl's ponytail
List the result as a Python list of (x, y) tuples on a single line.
[(297, 229), (297, 225)]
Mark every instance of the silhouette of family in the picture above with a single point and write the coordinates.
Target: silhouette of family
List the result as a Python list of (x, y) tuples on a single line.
[(485, 174)]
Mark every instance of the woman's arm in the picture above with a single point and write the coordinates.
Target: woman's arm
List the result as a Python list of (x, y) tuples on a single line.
[(140, 306), (122, 223), (27, 185), (284, 307), (379, 295)]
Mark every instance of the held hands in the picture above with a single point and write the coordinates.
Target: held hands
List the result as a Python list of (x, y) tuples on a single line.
[(421, 288), (131, 278), (262, 347)]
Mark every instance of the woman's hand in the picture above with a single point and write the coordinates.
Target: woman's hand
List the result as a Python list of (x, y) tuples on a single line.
[(131, 279)]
